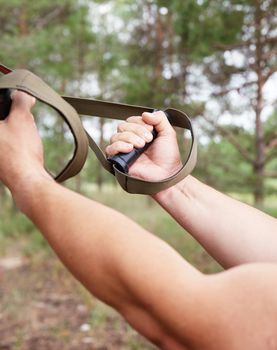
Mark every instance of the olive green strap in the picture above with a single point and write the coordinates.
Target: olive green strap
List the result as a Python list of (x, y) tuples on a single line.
[(67, 107)]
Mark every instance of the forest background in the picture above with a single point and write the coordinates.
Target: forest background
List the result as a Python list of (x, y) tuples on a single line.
[(214, 60)]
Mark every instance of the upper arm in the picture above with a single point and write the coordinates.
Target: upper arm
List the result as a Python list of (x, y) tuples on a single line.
[(166, 299), (235, 309), (243, 300)]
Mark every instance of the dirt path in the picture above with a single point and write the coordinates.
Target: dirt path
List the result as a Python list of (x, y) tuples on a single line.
[(43, 308)]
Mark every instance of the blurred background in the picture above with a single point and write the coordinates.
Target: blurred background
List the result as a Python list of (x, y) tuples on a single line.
[(214, 60)]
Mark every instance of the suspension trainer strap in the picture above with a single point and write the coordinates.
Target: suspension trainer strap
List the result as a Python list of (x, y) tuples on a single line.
[(70, 107)]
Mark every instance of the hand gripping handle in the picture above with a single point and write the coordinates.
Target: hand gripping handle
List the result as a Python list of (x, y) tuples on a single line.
[(123, 161)]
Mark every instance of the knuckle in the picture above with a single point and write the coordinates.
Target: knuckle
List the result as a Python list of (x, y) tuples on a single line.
[(111, 150), (129, 136), (144, 133), (162, 114), (134, 119), (117, 146), (113, 138), (140, 142), (108, 150), (121, 127)]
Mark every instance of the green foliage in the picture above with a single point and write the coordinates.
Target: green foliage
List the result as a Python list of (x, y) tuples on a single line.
[(55, 42), (148, 52), (222, 167), (206, 24), (44, 36), (272, 211), (13, 224)]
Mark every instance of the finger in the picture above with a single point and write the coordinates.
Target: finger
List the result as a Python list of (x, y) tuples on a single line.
[(137, 129), (138, 120), (118, 147), (22, 104), (128, 137), (159, 121)]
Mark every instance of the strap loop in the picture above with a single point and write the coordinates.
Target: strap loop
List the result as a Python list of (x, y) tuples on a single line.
[(68, 107), (26, 81)]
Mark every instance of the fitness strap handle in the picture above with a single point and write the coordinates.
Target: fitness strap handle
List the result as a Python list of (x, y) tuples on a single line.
[(69, 108)]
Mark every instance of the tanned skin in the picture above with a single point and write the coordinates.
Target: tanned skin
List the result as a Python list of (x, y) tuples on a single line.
[(158, 292)]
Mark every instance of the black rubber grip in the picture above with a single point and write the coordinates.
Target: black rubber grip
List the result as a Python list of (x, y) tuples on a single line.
[(5, 103), (123, 161)]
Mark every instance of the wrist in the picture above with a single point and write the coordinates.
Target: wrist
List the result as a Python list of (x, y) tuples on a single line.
[(26, 187), (184, 188)]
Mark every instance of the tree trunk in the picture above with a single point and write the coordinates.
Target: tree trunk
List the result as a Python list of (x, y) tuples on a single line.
[(23, 32), (259, 162), (159, 37), (78, 183), (22, 22), (99, 178)]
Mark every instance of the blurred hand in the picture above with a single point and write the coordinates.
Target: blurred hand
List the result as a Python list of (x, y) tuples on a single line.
[(161, 159), (21, 152)]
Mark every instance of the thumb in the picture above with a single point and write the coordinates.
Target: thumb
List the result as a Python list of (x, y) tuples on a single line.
[(22, 103), (159, 121)]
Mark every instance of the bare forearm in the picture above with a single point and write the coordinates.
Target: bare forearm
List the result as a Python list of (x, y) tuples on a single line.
[(231, 231), (71, 224), (117, 260)]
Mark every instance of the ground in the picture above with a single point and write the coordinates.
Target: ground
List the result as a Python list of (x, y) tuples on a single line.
[(44, 308)]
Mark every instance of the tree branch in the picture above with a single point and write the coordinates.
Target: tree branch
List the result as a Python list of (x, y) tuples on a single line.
[(271, 144), (271, 155), (224, 92), (269, 74), (268, 55), (232, 139), (43, 22), (270, 173), (269, 39), (233, 46), (264, 40)]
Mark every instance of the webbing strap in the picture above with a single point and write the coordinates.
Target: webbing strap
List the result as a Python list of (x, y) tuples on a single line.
[(70, 107), (26, 81)]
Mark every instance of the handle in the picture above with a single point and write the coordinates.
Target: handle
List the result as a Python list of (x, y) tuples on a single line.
[(5, 103), (123, 161)]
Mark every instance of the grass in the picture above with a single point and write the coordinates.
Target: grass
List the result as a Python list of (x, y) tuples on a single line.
[(142, 209), (151, 216)]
